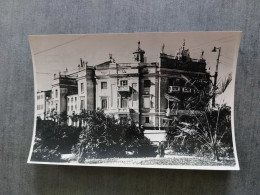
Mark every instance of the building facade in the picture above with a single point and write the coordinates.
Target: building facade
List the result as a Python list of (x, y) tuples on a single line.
[(84, 97), (148, 94), (43, 104)]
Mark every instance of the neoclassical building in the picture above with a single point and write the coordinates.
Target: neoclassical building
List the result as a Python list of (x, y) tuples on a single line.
[(128, 90), (148, 94)]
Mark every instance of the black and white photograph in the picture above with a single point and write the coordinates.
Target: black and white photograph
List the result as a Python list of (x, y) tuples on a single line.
[(144, 100)]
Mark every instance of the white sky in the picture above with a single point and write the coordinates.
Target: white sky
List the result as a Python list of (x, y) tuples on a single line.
[(54, 53)]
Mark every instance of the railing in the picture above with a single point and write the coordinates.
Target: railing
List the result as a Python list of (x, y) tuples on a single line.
[(177, 89), (172, 89), (122, 109), (186, 90), (123, 88)]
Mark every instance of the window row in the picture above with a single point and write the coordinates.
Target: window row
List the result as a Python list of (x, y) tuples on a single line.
[(70, 108), (82, 106), (40, 107), (122, 102), (72, 99), (39, 97), (147, 83)]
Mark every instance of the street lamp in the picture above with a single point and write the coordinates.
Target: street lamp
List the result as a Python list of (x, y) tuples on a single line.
[(216, 75)]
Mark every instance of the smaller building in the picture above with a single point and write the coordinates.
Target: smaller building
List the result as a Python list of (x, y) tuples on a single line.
[(72, 108), (63, 85), (43, 104), (82, 99)]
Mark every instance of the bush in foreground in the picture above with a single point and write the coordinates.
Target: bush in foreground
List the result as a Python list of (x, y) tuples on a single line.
[(52, 140), (106, 137)]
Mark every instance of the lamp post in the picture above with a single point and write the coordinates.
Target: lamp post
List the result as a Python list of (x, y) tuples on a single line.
[(215, 76)]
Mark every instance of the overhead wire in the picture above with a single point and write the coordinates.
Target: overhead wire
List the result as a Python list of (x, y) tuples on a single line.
[(211, 42), (45, 50)]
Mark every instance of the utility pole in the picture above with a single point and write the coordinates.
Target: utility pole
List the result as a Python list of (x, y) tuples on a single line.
[(215, 76)]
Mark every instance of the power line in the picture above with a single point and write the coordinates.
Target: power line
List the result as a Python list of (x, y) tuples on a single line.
[(222, 61), (210, 45), (227, 57), (45, 50), (225, 62), (212, 42)]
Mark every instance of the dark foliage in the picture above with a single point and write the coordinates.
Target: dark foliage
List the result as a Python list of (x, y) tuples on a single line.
[(53, 139), (209, 131), (106, 137)]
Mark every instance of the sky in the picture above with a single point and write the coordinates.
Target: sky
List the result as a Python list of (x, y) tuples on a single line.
[(54, 53)]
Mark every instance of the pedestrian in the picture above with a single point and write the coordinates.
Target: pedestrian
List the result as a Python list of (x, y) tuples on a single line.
[(161, 149)]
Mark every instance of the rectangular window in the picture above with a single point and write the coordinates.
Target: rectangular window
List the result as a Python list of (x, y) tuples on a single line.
[(68, 100), (118, 102), (72, 99), (113, 95), (147, 120), (147, 83), (56, 93), (56, 107), (75, 107), (82, 87), (75, 99), (103, 85), (123, 82), (71, 108), (68, 108), (82, 104), (124, 102), (146, 102), (104, 104), (135, 96)]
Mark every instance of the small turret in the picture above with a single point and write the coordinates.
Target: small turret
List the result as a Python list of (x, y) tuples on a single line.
[(112, 60), (139, 54), (185, 53)]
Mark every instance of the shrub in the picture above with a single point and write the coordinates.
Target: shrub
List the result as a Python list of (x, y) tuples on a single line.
[(106, 137), (52, 140), (45, 153), (208, 130)]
